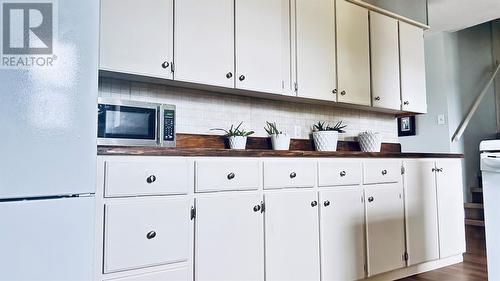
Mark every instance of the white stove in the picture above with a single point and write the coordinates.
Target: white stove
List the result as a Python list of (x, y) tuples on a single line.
[(490, 169)]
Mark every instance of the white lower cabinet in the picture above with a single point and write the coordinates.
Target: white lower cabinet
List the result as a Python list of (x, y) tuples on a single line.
[(229, 238), (422, 237), (292, 236), (342, 225), (450, 208), (140, 234), (385, 227)]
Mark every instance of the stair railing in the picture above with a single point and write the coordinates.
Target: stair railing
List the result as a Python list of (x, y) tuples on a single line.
[(461, 129)]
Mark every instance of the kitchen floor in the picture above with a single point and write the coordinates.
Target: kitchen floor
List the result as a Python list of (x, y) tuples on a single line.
[(466, 271)]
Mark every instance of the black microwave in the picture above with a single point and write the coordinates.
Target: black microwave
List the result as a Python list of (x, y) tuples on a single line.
[(134, 123)]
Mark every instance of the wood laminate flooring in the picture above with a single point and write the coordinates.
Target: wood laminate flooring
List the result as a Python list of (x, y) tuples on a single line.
[(466, 271)]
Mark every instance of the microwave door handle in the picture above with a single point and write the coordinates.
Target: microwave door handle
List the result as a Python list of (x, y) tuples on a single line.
[(159, 123)]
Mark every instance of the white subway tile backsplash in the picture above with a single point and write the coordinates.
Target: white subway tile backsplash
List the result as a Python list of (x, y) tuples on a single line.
[(198, 111)]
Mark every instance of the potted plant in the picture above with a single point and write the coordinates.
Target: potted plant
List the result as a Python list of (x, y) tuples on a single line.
[(326, 137), (370, 141), (237, 137), (279, 140)]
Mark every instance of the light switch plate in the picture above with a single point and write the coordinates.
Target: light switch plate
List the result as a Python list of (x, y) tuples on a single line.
[(441, 119)]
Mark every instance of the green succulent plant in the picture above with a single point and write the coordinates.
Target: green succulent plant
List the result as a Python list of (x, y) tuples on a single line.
[(323, 126), (235, 131), (272, 129)]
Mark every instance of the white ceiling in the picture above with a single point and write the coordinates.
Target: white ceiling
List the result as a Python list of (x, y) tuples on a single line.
[(453, 15)]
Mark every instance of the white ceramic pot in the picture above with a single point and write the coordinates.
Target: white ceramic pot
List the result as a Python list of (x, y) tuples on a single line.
[(370, 141), (280, 142), (326, 140), (237, 142)]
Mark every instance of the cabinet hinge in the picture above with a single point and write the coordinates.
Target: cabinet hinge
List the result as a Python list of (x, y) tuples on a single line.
[(406, 257), (193, 212), (365, 267), (296, 87), (172, 67), (262, 206), (282, 84), (403, 170)]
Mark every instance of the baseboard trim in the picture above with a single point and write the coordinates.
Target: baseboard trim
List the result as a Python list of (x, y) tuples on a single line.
[(417, 269)]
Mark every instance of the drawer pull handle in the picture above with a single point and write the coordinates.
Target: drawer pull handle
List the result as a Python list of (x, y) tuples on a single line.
[(151, 235), (370, 199), (384, 172), (343, 173), (151, 179), (165, 65), (256, 208), (230, 176), (314, 203), (326, 203), (293, 175)]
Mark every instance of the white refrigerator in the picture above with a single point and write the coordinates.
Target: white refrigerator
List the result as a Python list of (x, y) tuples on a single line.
[(48, 109)]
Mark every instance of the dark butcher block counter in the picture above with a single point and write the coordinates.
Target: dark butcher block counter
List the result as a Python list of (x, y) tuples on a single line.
[(216, 146)]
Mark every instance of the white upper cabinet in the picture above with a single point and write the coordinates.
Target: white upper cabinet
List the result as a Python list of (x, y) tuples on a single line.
[(353, 54), (262, 45), (385, 227), (204, 42), (422, 237), (315, 48), (342, 221), (130, 44), (450, 208), (292, 236), (413, 88), (229, 238), (384, 48)]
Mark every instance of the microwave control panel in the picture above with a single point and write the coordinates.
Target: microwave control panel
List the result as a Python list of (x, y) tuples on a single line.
[(169, 125)]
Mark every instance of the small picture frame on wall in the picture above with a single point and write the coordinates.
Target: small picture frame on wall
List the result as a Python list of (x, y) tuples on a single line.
[(407, 126)]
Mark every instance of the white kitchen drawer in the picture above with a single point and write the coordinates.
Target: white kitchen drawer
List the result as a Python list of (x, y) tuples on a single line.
[(339, 172), (224, 175), (146, 233), (289, 173), (174, 274), (382, 171), (143, 177)]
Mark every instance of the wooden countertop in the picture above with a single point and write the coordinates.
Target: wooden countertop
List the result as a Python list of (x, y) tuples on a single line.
[(215, 146), (217, 152)]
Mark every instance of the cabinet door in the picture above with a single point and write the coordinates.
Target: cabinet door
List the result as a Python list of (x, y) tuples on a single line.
[(450, 208), (136, 37), (353, 54), (292, 236), (204, 42), (229, 238), (421, 211), (262, 45), (385, 227), (342, 225), (315, 43), (384, 48), (413, 88)]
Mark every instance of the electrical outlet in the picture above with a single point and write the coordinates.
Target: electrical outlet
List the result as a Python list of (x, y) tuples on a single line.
[(298, 132), (441, 119)]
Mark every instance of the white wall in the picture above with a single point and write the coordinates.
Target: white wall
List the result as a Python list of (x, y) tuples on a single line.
[(413, 9)]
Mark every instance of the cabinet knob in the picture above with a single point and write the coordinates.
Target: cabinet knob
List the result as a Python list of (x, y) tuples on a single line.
[(242, 77), (406, 103), (151, 235), (343, 93), (434, 170), (229, 75), (165, 65), (314, 203), (370, 199), (440, 170), (334, 91), (377, 98), (384, 172), (343, 173), (151, 179), (256, 208), (293, 175), (326, 203), (230, 176)]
